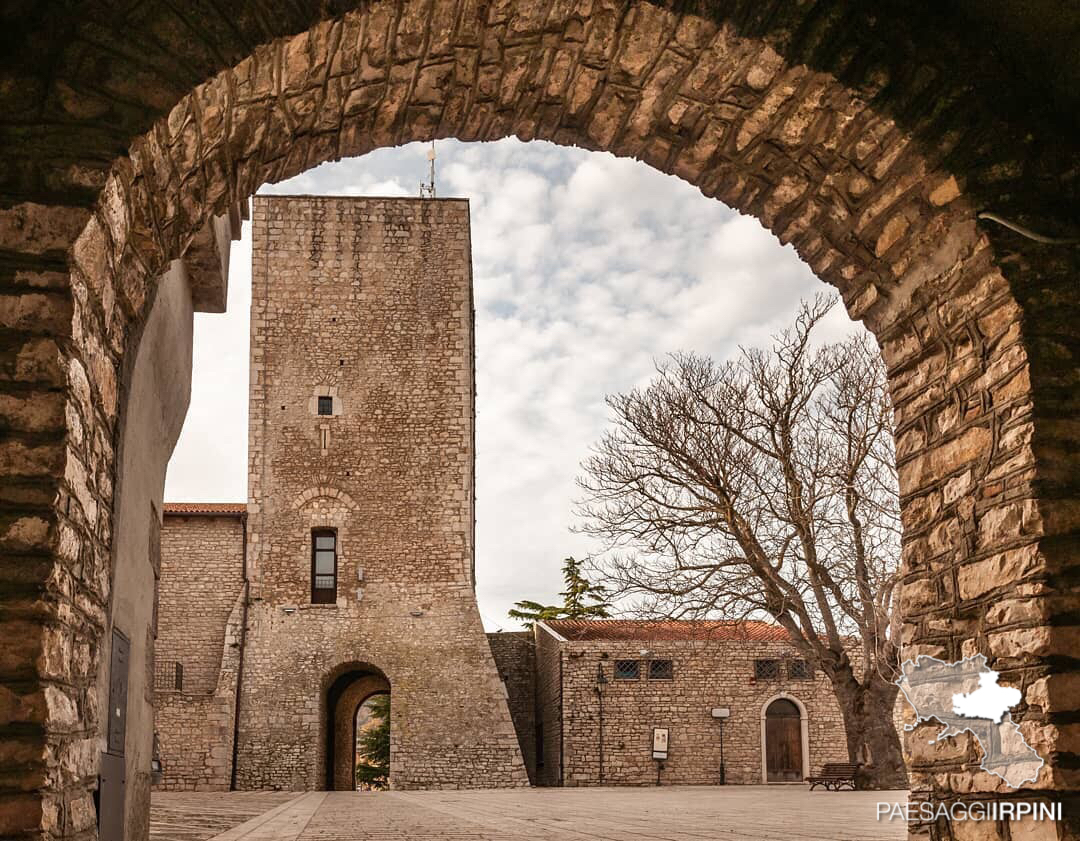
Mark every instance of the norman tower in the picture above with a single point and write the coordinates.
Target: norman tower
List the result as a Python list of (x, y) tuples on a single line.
[(360, 509)]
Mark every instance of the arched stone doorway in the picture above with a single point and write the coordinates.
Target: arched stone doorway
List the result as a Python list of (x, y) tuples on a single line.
[(343, 698), (371, 728), (784, 741), (865, 146)]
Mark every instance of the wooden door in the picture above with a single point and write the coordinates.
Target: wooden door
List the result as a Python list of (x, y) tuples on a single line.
[(783, 743)]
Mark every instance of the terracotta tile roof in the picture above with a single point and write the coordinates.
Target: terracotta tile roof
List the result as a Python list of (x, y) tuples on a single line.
[(667, 629), (217, 509)]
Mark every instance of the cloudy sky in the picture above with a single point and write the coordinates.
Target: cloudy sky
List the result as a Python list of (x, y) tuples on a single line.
[(587, 268)]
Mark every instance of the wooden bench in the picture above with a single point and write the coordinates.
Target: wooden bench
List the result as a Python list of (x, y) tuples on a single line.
[(835, 775)]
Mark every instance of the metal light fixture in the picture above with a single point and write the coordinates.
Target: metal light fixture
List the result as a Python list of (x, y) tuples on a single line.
[(721, 714)]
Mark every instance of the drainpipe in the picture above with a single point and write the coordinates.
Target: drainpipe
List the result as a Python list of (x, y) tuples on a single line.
[(240, 665)]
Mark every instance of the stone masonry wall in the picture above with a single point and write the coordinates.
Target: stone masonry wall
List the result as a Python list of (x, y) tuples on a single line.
[(369, 302), (200, 610), (549, 708), (201, 578), (515, 658), (860, 139), (706, 675)]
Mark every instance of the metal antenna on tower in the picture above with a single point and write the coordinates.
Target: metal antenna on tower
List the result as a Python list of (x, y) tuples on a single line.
[(427, 191)]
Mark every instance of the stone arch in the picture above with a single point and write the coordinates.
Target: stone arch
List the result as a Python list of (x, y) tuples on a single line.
[(804, 733), (333, 497), (878, 191), (322, 506), (344, 689)]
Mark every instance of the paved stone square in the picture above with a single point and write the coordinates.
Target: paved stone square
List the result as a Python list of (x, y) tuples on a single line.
[(199, 815), (734, 813)]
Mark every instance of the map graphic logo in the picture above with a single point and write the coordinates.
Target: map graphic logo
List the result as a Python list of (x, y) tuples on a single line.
[(965, 695)]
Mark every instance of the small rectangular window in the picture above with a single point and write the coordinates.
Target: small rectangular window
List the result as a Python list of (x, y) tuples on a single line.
[(661, 670), (326, 405), (767, 669), (178, 677), (323, 566), (800, 670), (627, 670)]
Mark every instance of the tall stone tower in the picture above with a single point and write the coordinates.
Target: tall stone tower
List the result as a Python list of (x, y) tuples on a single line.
[(360, 508)]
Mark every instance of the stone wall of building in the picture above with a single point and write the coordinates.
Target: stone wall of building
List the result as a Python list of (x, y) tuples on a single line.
[(202, 560), (201, 608), (515, 659), (368, 303), (549, 708), (195, 731), (706, 674)]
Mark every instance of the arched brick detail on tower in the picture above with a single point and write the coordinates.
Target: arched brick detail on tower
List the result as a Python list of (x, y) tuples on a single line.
[(873, 170), (324, 496)]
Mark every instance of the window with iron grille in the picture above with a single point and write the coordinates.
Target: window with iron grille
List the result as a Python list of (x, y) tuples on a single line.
[(767, 669), (661, 670), (326, 405), (800, 670), (178, 677), (323, 566), (627, 670)]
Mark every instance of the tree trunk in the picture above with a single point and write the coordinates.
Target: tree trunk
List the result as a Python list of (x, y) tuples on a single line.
[(872, 738)]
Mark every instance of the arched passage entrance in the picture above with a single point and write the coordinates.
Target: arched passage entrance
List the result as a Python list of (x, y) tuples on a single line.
[(871, 154), (784, 741), (345, 695), (371, 751)]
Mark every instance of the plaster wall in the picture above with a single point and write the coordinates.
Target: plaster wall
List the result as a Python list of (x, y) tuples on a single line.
[(155, 407)]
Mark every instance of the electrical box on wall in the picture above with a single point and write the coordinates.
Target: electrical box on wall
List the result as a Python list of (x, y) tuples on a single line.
[(660, 743)]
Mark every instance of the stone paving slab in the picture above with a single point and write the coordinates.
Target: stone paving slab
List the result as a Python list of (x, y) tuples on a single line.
[(199, 815), (732, 813)]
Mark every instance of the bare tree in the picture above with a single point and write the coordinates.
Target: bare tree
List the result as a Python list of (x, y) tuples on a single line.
[(765, 486)]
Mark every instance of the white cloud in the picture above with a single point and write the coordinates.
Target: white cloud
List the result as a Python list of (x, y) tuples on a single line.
[(587, 268)]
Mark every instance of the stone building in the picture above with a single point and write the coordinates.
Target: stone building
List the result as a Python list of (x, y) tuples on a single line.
[(350, 569), (886, 148), (603, 686), (349, 572)]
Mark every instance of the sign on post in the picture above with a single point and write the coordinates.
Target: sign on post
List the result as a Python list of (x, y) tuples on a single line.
[(659, 743)]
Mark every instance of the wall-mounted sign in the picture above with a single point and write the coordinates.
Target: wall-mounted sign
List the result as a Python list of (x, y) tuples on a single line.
[(721, 712), (659, 743)]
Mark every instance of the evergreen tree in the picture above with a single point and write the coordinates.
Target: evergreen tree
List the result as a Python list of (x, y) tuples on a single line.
[(373, 746), (577, 596)]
